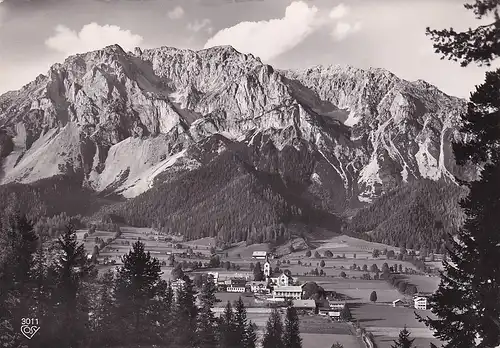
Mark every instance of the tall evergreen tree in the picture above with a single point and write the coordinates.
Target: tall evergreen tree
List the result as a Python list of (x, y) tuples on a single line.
[(404, 340), (163, 314), (70, 269), (207, 336), (241, 324), (251, 335), (291, 335), (467, 302), (106, 332), (18, 242), (273, 334), (186, 314), (227, 328), (136, 287), (258, 273)]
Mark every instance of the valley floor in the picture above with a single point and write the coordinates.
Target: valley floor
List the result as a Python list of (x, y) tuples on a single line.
[(381, 319)]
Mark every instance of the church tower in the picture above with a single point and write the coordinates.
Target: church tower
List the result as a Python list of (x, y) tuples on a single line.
[(267, 268)]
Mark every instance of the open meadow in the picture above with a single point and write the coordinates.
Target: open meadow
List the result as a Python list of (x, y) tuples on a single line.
[(385, 322), (316, 331)]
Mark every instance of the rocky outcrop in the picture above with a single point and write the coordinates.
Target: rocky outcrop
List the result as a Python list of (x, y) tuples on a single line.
[(119, 120)]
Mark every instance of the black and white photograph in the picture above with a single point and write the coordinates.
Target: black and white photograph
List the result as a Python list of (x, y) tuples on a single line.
[(250, 173)]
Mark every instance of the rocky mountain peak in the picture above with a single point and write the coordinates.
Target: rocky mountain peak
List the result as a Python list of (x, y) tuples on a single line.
[(119, 119)]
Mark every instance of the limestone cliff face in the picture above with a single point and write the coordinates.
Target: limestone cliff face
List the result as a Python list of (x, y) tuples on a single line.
[(118, 120)]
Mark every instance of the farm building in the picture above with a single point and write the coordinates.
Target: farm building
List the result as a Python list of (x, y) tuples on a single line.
[(305, 306), (337, 305), (236, 285), (397, 303), (260, 255), (293, 292), (335, 315), (420, 302)]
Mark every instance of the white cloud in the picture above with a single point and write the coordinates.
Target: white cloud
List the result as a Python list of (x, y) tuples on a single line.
[(204, 24), (339, 11), (91, 37), (343, 29), (269, 39), (176, 13)]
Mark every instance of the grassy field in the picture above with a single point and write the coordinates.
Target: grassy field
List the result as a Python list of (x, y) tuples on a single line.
[(385, 323), (424, 283), (326, 340), (316, 331)]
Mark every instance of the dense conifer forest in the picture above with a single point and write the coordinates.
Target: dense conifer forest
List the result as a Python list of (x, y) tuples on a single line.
[(418, 215), (53, 281)]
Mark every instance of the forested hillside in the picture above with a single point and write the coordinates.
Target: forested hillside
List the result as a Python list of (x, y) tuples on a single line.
[(419, 214), (230, 198), (47, 197)]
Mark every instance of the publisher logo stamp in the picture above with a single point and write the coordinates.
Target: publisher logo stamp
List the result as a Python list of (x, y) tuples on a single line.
[(29, 327)]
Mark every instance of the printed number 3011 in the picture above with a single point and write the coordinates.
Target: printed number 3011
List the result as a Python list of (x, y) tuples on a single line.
[(29, 327)]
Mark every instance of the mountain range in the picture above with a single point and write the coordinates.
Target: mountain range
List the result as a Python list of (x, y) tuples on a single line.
[(216, 143)]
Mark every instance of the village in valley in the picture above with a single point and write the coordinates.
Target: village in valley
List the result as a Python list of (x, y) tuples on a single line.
[(346, 290)]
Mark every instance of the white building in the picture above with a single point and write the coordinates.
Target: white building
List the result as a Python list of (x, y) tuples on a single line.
[(420, 302), (397, 302), (337, 305), (292, 292), (259, 255), (235, 289), (258, 287), (282, 280), (335, 315)]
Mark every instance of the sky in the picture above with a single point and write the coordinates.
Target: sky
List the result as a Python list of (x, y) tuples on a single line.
[(390, 34)]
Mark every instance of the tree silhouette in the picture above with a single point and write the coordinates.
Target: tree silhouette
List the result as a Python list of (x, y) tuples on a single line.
[(291, 334), (273, 334), (404, 340), (469, 291), (136, 285)]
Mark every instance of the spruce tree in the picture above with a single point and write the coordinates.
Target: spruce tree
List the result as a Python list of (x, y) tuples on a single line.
[(227, 328), (273, 334), (106, 330), (251, 335), (467, 302), (69, 271), (207, 336), (404, 340), (291, 335), (162, 313), (240, 321), (185, 313), (18, 242), (137, 285), (258, 273)]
